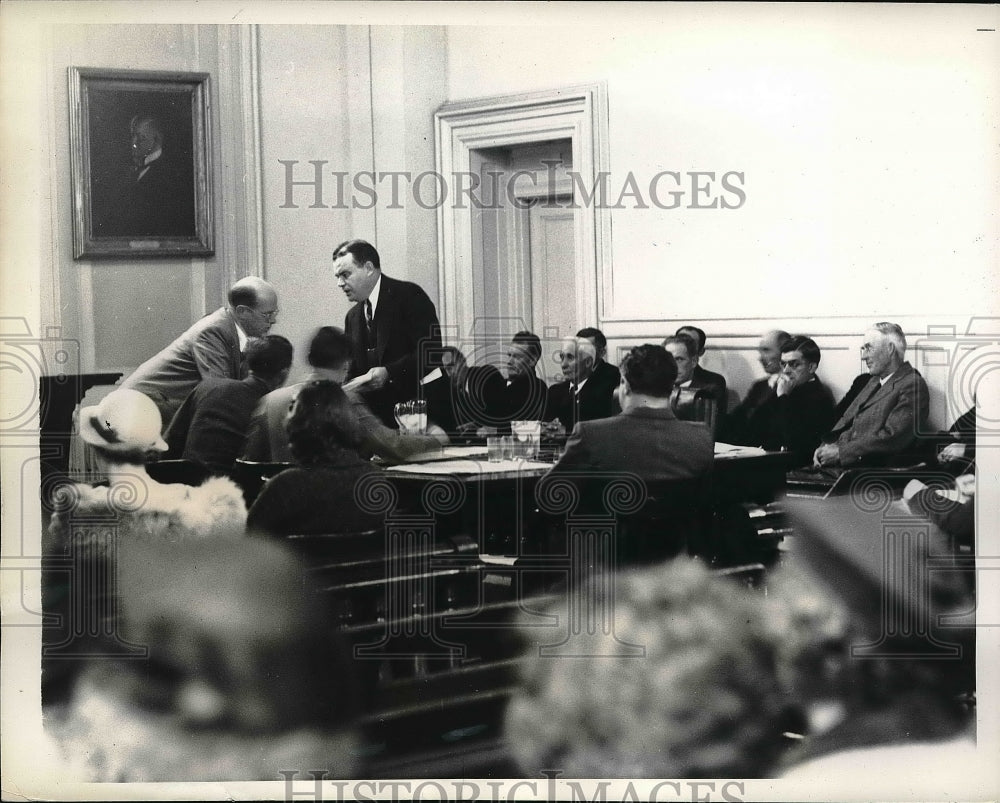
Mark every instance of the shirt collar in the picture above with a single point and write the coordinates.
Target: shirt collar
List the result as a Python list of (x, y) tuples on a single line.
[(579, 385), (373, 296), (882, 381), (150, 158), (244, 338), (685, 384)]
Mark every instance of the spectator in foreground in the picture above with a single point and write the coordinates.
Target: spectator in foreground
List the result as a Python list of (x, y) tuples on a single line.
[(702, 701), (244, 676)]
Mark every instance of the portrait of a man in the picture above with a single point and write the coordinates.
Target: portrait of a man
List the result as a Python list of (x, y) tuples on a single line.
[(143, 164)]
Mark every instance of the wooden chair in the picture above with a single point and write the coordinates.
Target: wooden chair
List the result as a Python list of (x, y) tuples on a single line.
[(184, 472), (251, 476)]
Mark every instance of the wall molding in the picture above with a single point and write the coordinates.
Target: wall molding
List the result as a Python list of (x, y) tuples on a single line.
[(577, 113), (239, 171)]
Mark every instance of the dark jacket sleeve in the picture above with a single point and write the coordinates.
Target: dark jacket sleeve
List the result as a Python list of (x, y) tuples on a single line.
[(421, 331), (801, 418)]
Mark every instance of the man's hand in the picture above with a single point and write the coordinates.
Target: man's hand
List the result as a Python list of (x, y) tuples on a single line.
[(360, 382), (828, 454), (953, 451), (784, 385), (380, 377), (553, 428), (436, 432)]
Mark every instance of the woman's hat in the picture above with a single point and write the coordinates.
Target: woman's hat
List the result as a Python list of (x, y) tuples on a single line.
[(124, 421)]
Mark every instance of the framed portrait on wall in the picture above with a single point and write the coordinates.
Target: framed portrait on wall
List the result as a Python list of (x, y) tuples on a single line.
[(140, 151)]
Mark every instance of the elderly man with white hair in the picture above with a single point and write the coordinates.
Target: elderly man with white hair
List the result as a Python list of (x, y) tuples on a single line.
[(883, 420), (577, 398)]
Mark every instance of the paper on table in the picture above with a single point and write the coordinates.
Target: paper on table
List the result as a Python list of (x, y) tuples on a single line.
[(469, 466), (448, 453), (731, 450)]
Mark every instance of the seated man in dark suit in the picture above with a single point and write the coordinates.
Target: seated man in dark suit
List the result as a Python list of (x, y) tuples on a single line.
[(882, 422), (646, 438), (693, 400), (739, 425), (673, 458), (701, 377), (212, 425), (523, 397), (465, 397), (605, 373), (577, 398), (800, 411)]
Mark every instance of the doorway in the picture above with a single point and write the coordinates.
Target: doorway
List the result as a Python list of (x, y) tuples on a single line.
[(540, 261)]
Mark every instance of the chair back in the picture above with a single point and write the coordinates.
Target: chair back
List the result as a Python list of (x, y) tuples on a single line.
[(695, 404), (184, 472), (251, 476)]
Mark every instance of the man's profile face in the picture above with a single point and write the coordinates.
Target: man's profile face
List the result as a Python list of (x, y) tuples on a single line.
[(520, 361), (356, 280), (685, 363), (795, 367), (769, 354), (877, 351), (145, 139), (257, 320)]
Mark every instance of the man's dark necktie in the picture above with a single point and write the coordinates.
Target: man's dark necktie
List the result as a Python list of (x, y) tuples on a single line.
[(370, 336)]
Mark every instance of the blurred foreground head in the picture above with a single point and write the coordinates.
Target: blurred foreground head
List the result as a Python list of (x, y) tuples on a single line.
[(244, 676), (899, 662), (703, 699)]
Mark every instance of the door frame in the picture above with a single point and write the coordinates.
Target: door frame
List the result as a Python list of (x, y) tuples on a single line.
[(577, 113)]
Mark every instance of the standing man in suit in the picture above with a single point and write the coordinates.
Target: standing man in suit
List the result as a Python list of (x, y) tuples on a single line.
[(702, 378), (393, 327), (211, 426), (214, 346), (646, 439), (577, 398), (741, 424), (883, 420)]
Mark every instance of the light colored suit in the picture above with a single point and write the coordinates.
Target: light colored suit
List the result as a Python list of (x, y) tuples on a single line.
[(209, 348), (882, 422)]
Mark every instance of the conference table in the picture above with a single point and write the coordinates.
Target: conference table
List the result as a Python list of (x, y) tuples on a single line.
[(462, 491)]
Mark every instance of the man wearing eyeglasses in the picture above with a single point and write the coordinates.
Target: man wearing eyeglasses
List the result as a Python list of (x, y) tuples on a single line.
[(798, 414), (213, 347)]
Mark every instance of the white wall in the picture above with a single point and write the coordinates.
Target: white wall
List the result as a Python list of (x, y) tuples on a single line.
[(866, 135)]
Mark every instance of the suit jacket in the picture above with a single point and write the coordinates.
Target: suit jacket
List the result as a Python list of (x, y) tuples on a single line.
[(211, 425), (162, 201), (479, 402), (593, 401), (857, 385), (742, 425), (648, 442), (210, 348), (607, 375), (268, 438), (407, 341), (882, 422), (714, 383), (522, 399), (795, 422)]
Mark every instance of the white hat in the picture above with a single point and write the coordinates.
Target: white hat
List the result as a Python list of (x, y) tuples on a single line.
[(125, 420)]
